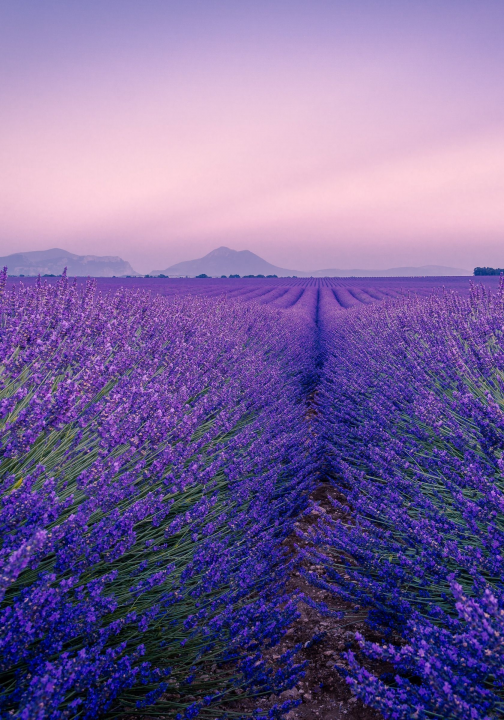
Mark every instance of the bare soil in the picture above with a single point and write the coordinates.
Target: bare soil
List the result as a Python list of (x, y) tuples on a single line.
[(323, 692)]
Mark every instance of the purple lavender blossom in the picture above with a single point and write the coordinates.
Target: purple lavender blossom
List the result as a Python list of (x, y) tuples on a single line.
[(153, 460), (411, 420)]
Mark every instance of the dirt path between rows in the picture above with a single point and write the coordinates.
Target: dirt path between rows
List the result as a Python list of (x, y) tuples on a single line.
[(323, 692)]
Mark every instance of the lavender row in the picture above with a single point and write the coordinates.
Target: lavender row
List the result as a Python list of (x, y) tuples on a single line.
[(153, 460), (412, 424), (361, 289)]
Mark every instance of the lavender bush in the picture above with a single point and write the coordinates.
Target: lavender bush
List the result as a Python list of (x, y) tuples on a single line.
[(156, 451), (153, 460), (411, 416)]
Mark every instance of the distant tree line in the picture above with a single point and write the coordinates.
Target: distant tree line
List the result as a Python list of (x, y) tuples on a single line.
[(204, 275), (488, 271)]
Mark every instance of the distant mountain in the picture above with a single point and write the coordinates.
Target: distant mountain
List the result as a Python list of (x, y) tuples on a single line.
[(54, 261), (422, 271), (224, 261)]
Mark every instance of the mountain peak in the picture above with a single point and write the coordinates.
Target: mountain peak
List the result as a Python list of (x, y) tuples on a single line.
[(54, 260), (225, 261), (225, 252), (221, 251)]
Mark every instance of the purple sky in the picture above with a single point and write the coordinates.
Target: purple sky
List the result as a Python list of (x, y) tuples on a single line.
[(317, 134)]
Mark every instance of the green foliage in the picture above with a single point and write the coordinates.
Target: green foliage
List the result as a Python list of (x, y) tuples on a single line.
[(488, 271)]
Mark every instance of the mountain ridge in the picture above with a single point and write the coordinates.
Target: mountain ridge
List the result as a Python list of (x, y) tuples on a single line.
[(221, 261), (225, 261), (54, 261)]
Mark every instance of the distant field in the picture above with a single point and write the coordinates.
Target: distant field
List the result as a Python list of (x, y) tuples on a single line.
[(285, 293), (224, 498)]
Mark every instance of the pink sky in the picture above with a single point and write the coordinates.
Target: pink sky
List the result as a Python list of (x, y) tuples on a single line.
[(315, 134)]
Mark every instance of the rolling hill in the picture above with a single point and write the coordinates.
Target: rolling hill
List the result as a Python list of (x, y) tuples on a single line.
[(224, 261), (54, 261)]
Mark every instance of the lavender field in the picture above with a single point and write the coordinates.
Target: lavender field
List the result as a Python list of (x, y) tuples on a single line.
[(161, 443), (283, 292)]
